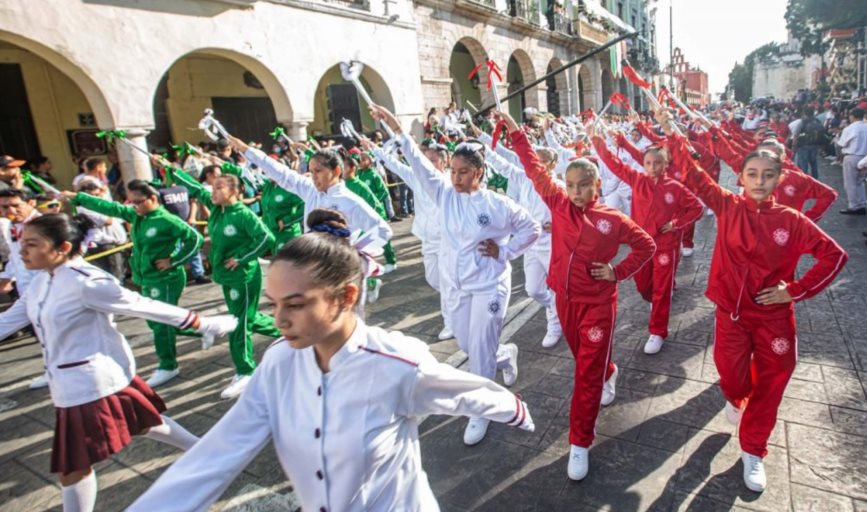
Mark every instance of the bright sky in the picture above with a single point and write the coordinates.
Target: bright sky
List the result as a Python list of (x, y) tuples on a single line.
[(714, 34)]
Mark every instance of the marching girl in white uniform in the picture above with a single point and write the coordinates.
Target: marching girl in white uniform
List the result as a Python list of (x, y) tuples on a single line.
[(426, 222), (482, 232), (538, 257), (340, 400), (99, 400), (323, 189)]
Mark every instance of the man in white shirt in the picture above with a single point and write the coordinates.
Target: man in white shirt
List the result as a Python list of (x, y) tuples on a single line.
[(853, 143)]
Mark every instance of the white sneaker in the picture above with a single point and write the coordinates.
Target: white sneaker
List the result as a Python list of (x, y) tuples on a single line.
[(373, 292), (238, 385), (733, 414), (687, 252), (160, 377), (510, 373), (579, 462), (653, 345), (554, 329), (608, 389), (475, 431), (208, 341), (754, 472), (389, 268), (39, 382), (446, 334), (709, 213)]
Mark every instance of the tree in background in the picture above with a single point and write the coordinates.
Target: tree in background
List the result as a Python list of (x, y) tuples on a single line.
[(809, 19), (741, 76)]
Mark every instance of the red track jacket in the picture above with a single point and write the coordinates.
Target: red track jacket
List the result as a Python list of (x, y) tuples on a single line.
[(580, 237)]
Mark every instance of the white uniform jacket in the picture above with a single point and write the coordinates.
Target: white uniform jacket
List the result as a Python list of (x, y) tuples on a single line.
[(338, 197), (469, 219), (86, 357), (346, 439), (426, 221), (521, 190)]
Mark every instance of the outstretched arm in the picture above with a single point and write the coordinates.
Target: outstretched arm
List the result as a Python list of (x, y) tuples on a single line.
[(288, 179)]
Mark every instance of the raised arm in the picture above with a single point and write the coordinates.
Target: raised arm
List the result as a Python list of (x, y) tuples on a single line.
[(543, 182), (629, 147), (696, 179), (615, 164), (196, 190), (288, 179), (645, 130), (403, 171), (110, 208)]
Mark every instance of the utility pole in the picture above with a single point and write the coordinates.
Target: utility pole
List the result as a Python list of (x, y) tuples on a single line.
[(671, 45)]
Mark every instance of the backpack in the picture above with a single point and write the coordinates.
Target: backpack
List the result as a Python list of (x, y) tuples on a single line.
[(812, 134)]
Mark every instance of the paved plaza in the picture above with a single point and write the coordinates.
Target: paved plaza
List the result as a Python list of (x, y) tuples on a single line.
[(662, 445)]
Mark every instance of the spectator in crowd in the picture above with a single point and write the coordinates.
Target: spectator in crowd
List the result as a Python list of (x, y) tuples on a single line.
[(41, 167), (808, 135), (95, 168), (110, 233), (853, 144), (10, 173)]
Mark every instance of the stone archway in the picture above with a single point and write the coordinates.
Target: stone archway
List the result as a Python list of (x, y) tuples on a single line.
[(466, 54), (586, 91), (558, 94), (336, 99)]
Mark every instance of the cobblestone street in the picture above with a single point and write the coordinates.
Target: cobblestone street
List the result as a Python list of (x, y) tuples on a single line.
[(662, 445)]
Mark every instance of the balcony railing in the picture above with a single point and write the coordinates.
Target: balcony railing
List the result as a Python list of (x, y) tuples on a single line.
[(526, 10), (589, 31), (562, 24)]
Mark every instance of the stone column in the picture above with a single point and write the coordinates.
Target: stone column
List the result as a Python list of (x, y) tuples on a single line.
[(134, 164), (297, 130)]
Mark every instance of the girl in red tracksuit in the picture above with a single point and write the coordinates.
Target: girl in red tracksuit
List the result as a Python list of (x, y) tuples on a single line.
[(585, 236), (795, 186), (752, 282), (663, 208)]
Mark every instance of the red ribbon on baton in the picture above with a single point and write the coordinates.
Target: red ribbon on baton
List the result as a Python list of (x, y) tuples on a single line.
[(493, 70)]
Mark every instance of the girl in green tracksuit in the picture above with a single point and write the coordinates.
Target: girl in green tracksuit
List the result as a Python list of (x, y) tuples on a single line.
[(282, 212), (370, 177), (162, 244), (238, 238)]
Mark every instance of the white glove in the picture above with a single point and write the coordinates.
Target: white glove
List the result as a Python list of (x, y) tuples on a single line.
[(211, 327)]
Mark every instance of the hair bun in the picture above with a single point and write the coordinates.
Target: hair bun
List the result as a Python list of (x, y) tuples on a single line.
[(327, 217)]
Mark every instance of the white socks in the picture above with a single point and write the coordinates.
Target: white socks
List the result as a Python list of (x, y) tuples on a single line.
[(81, 496), (172, 433)]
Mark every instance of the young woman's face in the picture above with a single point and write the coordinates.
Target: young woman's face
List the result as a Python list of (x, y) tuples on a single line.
[(224, 192), (349, 171), (760, 177), (465, 177), (434, 157), (581, 186), (323, 177), (38, 252), (365, 161), (306, 313)]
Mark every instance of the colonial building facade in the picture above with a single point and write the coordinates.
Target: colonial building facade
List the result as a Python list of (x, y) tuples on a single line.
[(72, 67)]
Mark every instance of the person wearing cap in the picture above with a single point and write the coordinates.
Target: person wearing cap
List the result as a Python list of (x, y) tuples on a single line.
[(10, 173)]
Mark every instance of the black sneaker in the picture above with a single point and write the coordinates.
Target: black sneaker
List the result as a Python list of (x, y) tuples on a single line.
[(202, 280), (395, 219), (854, 211)]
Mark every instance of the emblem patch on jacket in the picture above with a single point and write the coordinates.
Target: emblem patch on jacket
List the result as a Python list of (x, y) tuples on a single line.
[(781, 236), (604, 226), (484, 219), (230, 230), (493, 307)]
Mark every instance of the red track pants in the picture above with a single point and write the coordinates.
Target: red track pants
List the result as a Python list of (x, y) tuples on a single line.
[(755, 358), (589, 330), (689, 236), (655, 282)]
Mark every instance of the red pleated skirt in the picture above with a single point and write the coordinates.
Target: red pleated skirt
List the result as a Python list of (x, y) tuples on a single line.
[(89, 433)]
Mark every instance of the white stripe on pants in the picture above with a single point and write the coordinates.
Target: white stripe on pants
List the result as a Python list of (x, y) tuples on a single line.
[(477, 319), (854, 184)]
